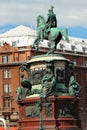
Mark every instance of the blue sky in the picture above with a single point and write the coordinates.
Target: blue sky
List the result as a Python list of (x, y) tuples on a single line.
[(71, 14)]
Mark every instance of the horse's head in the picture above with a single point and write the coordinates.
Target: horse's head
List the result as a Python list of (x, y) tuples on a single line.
[(40, 20)]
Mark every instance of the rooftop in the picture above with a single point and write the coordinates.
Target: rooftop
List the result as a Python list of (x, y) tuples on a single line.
[(25, 36)]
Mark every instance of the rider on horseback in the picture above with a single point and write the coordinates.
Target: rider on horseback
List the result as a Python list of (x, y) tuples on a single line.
[(50, 23), (51, 20), (48, 30)]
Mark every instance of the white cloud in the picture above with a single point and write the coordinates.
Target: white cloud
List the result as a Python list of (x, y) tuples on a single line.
[(68, 12)]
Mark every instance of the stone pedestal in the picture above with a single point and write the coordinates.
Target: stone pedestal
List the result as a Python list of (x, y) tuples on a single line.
[(68, 113), (57, 113), (47, 98)]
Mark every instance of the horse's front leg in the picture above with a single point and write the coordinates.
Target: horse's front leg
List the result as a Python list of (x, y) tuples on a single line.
[(35, 44)]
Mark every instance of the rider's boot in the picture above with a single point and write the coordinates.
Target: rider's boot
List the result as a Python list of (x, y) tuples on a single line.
[(48, 30)]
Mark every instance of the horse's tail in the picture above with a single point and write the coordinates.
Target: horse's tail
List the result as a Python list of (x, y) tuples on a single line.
[(64, 33)]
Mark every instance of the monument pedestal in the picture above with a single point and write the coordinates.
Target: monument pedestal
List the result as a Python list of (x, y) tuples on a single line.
[(39, 110), (56, 114)]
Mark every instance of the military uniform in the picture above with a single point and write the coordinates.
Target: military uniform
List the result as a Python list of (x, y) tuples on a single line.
[(51, 20)]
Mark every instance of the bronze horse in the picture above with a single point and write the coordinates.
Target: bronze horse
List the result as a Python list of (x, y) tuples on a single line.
[(54, 35)]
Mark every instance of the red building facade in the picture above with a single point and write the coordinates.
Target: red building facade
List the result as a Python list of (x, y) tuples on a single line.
[(10, 60)]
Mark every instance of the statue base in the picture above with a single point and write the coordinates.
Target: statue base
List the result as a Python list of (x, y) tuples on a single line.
[(56, 113)]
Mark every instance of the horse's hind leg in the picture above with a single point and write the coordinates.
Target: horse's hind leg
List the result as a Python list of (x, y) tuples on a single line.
[(35, 44), (52, 47)]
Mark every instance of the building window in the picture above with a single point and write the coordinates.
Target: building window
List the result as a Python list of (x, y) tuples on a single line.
[(62, 47), (6, 59), (86, 76), (73, 48), (6, 102), (7, 88), (86, 63), (6, 73), (84, 49), (75, 62), (14, 43)]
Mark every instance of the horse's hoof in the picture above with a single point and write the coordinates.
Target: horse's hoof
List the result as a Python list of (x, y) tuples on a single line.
[(33, 47)]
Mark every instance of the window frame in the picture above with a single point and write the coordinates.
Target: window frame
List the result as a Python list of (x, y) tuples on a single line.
[(6, 73), (6, 59), (6, 102), (6, 88)]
